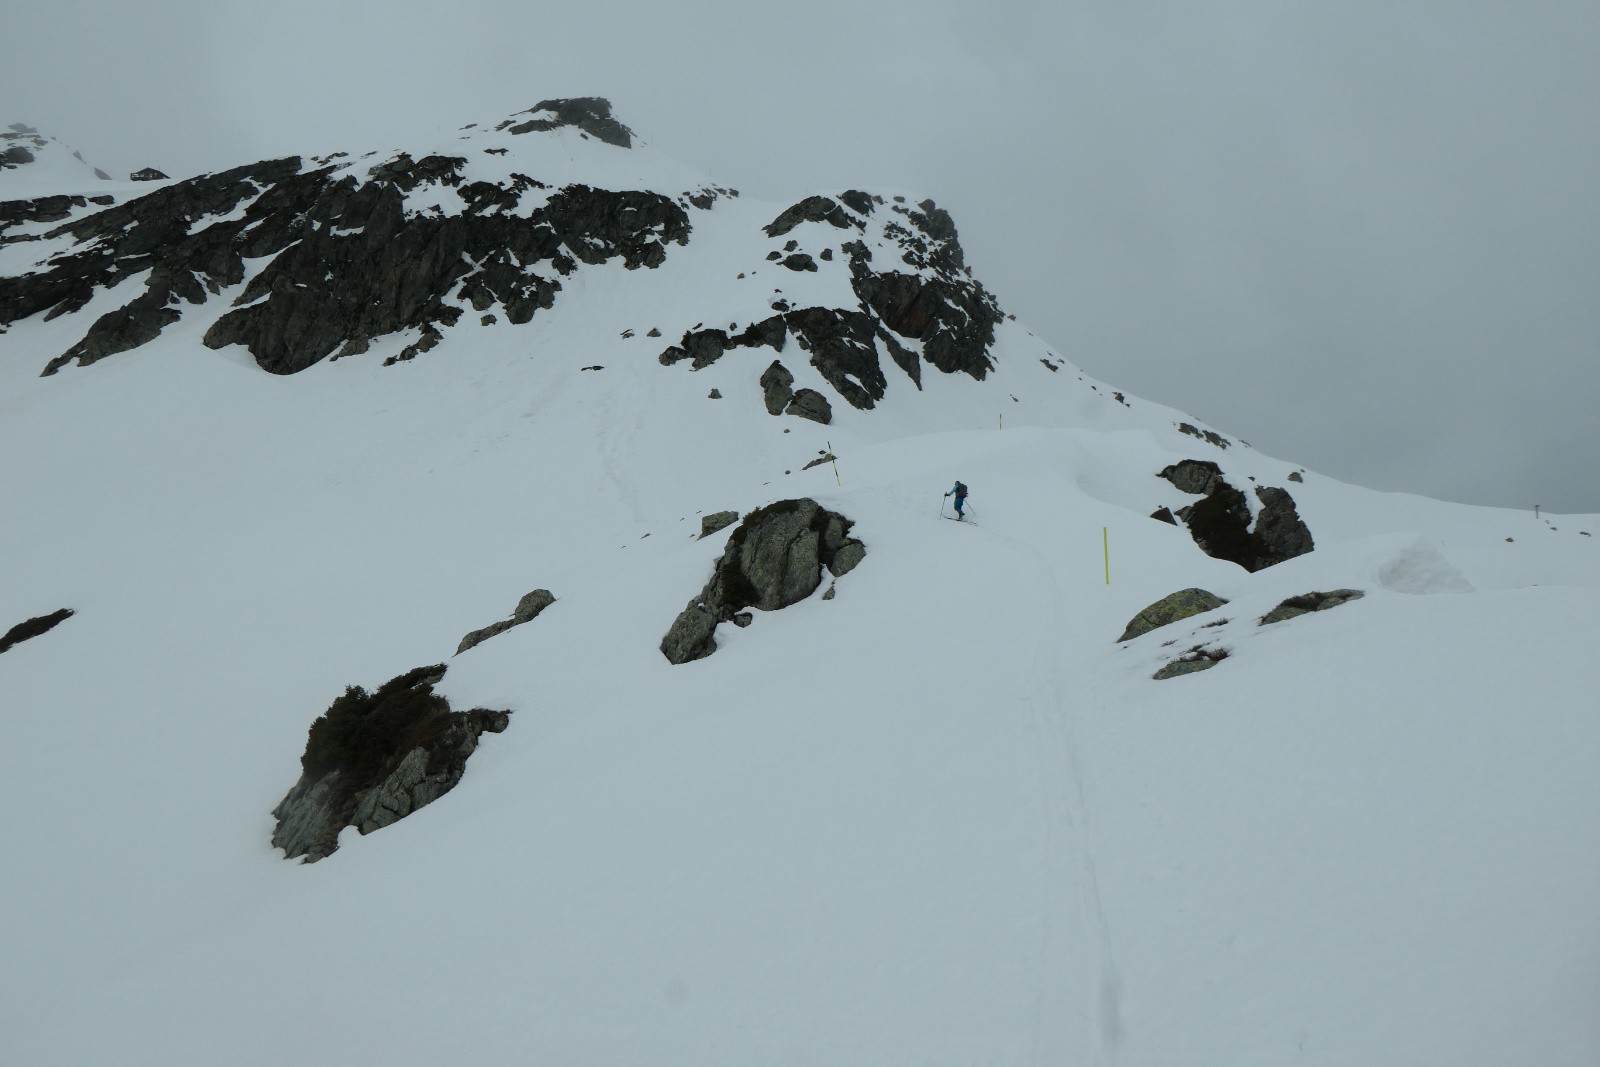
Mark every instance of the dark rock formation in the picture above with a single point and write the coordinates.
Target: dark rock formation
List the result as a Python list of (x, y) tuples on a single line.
[(1280, 533), (373, 758), (1221, 522), (1197, 476), (928, 298), (1306, 603), (589, 114), (777, 387), (810, 404), (1208, 436), (717, 520), (34, 627), (148, 174), (350, 261), (775, 558), (1169, 609), (528, 608)]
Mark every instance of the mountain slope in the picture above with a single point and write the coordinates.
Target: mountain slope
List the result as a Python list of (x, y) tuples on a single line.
[(941, 818)]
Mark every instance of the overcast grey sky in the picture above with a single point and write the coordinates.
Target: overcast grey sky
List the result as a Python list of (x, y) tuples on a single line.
[(1363, 235)]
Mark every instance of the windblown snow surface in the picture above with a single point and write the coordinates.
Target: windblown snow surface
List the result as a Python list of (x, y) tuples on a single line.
[(943, 818)]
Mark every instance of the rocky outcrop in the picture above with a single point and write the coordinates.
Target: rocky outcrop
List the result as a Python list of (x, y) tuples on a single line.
[(34, 627), (147, 174), (773, 559), (1211, 437), (353, 255), (1169, 609), (1279, 534), (717, 520), (926, 299), (374, 758), (1306, 603), (1221, 523), (528, 608), (588, 114), (781, 398)]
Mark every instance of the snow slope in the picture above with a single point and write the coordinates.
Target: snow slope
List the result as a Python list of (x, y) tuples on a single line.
[(941, 819)]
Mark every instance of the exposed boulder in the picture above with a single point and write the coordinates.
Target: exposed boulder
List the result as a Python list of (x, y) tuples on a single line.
[(1196, 659), (1280, 533), (148, 174), (374, 758), (1197, 476), (1169, 609), (800, 261), (34, 627), (773, 559), (717, 520), (690, 635), (1221, 522), (810, 404), (1306, 603), (777, 387), (528, 608)]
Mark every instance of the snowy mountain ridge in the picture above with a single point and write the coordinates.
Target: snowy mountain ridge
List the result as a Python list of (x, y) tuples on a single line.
[(943, 816)]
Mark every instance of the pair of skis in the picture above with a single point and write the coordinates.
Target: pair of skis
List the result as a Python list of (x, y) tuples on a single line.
[(954, 518)]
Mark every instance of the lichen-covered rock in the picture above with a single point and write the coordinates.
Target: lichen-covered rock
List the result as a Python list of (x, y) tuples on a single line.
[(373, 758), (690, 635), (528, 608), (1306, 603), (773, 559), (1184, 666), (1170, 609)]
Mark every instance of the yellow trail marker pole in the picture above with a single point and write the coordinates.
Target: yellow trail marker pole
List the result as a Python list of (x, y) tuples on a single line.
[(1105, 549), (835, 459)]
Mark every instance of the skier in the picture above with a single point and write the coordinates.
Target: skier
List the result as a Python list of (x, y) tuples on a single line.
[(959, 491)]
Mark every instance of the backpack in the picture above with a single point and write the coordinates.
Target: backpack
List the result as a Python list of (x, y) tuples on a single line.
[(961, 490)]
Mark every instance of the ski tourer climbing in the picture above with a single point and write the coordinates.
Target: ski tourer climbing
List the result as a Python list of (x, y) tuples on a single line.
[(959, 491)]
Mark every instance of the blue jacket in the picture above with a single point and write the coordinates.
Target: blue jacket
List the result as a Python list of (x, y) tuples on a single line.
[(958, 491)]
